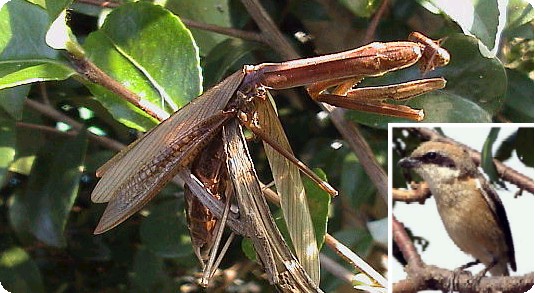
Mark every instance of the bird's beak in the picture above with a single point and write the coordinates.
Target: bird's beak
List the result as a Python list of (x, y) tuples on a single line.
[(408, 163)]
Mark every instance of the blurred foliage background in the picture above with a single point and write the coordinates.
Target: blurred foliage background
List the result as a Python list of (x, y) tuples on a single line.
[(47, 166)]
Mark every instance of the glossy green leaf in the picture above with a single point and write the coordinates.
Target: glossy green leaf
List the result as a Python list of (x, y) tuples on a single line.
[(519, 99), (519, 14), (19, 72), (24, 37), (148, 50), (487, 159), (524, 146), (155, 230), (215, 12), (24, 55), (51, 191), (55, 7), (225, 57), (19, 272), (506, 147), (472, 76), (318, 204), (483, 19)]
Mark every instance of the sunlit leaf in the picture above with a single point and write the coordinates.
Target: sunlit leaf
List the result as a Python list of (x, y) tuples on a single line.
[(487, 159), (19, 272), (24, 55), (482, 19), (149, 51), (215, 12)]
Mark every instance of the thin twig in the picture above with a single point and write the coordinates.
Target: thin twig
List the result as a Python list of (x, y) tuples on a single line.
[(372, 27), (96, 75), (232, 32), (355, 260), (58, 116)]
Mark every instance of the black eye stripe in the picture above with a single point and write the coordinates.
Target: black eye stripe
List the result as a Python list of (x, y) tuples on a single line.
[(438, 159)]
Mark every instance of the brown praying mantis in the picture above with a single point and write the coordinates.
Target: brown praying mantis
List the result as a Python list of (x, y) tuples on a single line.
[(136, 174)]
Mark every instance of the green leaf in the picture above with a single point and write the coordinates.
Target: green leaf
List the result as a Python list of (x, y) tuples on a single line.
[(483, 19), (224, 57), (472, 76), (355, 183), (55, 7), (215, 12), (44, 207), (19, 72), (24, 37), (29, 142), (12, 101), (18, 271), (318, 204), (25, 57), (487, 160), (248, 248), (148, 273), (524, 146), (506, 148), (519, 14), (166, 216), (148, 50), (361, 8), (519, 98), (7, 144)]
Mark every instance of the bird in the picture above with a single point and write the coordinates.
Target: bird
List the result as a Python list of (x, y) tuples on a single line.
[(471, 211)]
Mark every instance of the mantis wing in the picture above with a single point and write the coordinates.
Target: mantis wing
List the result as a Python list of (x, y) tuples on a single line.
[(138, 173), (291, 191)]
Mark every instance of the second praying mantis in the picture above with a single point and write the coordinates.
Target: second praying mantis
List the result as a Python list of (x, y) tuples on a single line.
[(136, 174)]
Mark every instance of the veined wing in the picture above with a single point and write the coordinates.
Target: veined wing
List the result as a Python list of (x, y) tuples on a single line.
[(291, 191), (137, 174)]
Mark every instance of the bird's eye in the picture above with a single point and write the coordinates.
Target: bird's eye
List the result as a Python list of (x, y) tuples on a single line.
[(430, 156)]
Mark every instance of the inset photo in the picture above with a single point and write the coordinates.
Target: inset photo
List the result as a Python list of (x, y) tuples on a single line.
[(462, 207)]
